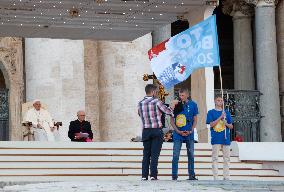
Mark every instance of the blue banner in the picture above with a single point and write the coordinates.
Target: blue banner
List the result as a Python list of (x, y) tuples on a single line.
[(174, 60)]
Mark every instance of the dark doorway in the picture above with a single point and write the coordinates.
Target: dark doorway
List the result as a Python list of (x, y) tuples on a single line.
[(4, 110), (226, 48)]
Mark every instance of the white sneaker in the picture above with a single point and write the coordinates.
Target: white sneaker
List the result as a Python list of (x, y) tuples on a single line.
[(144, 179)]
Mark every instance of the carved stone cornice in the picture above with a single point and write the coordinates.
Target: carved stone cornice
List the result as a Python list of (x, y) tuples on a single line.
[(9, 52), (230, 7), (268, 2), (9, 56), (211, 3)]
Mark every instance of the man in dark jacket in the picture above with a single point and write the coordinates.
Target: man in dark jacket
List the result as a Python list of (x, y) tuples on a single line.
[(80, 130)]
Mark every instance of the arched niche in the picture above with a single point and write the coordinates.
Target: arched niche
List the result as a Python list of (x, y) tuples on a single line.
[(11, 65)]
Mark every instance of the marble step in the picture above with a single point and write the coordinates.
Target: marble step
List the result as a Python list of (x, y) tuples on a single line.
[(110, 160), (90, 145), (130, 178), (19, 164), (96, 152), (126, 171), (52, 158)]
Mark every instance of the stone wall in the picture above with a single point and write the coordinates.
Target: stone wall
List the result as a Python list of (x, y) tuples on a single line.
[(55, 75), (121, 67), (102, 77)]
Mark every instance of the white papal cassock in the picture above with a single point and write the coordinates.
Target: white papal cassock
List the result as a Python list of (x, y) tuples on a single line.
[(43, 118)]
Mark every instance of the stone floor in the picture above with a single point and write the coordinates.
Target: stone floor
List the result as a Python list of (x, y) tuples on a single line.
[(145, 186)]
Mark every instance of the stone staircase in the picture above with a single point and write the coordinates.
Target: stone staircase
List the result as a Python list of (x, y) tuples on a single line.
[(66, 161)]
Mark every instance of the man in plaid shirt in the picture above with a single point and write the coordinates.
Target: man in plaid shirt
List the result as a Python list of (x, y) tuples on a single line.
[(150, 110)]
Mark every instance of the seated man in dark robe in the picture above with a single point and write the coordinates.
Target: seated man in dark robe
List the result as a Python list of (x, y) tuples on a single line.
[(80, 130)]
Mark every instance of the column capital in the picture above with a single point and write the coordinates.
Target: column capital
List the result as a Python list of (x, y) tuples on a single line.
[(263, 2), (237, 8)]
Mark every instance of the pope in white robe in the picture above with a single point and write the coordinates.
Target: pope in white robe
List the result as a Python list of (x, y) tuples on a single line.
[(42, 123)]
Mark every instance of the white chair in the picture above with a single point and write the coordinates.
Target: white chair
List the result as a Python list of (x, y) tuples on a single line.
[(28, 134)]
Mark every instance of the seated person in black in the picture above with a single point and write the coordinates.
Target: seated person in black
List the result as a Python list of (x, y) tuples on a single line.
[(80, 130)]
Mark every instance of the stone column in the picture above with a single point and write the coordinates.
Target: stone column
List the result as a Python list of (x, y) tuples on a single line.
[(280, 51), (267, 70), (243, 55), (92, 86), (243, 49), (161, 34), (121, 69)]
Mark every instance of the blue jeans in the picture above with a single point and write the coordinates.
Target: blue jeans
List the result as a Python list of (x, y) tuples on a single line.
[(190, 156), (152, 142)]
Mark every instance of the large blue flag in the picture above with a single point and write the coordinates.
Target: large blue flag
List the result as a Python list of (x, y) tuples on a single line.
[(174, 60)]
